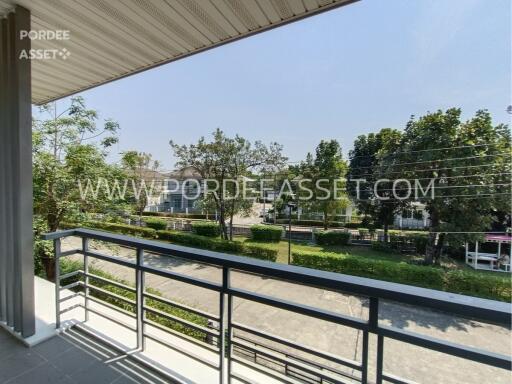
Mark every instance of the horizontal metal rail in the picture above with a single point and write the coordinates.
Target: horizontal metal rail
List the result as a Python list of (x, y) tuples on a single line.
[(324, 355), (294, 358), (309, 368), (186, 323), (109, 281), (297, 369), (171, 303)]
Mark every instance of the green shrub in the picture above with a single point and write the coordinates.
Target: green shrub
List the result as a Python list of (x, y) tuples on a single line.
[(198, 216), (125, 229), (311, 223), (157, 224), (206, 228), (260, 251), (261, 232), (463, 282), (380, 246), (256, 250), (478, 284), (352, 225), (420, 242), (363, 231), (332, 238)]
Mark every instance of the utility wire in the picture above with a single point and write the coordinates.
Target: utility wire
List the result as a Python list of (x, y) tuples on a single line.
[(430, 150)]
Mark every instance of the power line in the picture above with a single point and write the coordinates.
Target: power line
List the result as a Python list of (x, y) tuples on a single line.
[(429, 170), (430, 150), (425, 161), (473, 196)]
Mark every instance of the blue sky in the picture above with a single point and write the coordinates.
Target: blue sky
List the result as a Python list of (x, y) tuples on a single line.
[(343, 73)]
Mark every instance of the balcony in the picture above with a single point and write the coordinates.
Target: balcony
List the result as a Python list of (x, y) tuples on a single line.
[(260, 322)]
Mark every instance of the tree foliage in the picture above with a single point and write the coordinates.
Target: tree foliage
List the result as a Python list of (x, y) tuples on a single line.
[(372, 160), (471, 162), (226, 158), (141, 169), (67, 147), (323, 174)]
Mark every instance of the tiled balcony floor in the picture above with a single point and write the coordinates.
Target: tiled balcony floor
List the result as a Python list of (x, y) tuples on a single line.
[(72, 357)]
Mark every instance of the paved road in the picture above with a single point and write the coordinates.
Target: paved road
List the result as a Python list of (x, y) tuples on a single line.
[(419, 365)]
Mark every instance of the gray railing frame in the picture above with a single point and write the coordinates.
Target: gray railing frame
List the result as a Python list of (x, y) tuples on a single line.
[(484, 310)]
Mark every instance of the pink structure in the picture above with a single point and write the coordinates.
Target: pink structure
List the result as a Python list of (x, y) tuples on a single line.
[(491, 261)]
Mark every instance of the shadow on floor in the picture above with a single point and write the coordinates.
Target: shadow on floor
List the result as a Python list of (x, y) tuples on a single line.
[(72, 357)]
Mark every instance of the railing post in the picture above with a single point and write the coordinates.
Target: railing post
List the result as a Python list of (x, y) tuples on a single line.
[(85, 249), (139, 300), (380, 358), (229, 327), (364, 362), (373, 322), (222, 325), (56, 253)]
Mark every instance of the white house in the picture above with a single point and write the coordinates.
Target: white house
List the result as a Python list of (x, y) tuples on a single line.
[(179, 192)]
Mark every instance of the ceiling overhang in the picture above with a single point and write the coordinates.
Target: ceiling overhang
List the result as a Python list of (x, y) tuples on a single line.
[(108, 40)]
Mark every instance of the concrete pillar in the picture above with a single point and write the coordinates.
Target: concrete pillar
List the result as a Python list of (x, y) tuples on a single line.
[(16, 235)]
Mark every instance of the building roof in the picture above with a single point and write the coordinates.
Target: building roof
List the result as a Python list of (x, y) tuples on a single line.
[(109, 40), (183, 173)]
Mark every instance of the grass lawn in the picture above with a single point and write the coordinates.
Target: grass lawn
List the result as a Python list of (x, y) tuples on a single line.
[(359, 251), (365, 252)]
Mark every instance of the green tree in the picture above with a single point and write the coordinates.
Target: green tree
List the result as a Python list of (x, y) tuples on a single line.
[(141, 169), (324, 175), (225, 159), (68, 147), (372, 159), (470, 162)]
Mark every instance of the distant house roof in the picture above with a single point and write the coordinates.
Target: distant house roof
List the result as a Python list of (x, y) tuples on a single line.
[(184, 173), (150, 174)]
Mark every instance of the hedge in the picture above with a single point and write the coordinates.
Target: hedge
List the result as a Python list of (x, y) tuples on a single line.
[(259, 251), (200, 216), (363, 231), (205, 228), (157, 224), (311, 223), (457, 281), (261, 232), (124, 229), (332, 238)]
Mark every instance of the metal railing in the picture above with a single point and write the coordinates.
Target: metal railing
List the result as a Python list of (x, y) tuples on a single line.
[(231, 347)]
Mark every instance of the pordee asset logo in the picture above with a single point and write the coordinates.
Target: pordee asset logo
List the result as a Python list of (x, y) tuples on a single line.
[(44, 54)]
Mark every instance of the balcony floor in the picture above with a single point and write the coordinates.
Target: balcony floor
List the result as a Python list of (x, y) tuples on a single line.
[(71, 357)]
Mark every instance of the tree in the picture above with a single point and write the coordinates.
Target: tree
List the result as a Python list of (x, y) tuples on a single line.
[(67, 147), (141, 168), (225, 159), (470, 162), (372, 160), (323, 175)]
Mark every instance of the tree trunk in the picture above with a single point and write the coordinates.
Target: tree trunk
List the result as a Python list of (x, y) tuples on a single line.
[(231, 215), (231, 228), (222, 221), (53, 222), (386, 232), (431, 250), (439, 248)]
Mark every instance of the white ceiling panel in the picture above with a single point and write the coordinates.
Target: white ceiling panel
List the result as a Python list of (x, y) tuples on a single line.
[(113, 39)]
